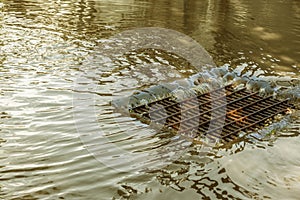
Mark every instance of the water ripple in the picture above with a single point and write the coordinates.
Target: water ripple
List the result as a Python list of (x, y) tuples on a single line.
[(50, 59)]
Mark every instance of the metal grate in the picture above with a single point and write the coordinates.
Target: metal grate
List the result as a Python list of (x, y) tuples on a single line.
[(220, 114)]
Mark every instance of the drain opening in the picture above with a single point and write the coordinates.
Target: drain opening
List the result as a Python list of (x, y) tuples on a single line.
[(233, 111)]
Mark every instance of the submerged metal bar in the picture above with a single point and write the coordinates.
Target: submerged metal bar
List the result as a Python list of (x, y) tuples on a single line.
[(202, 104), (214, 114), (249, 115), (258, 121)]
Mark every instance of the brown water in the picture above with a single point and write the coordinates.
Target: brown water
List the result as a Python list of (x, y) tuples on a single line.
[(61, 139)]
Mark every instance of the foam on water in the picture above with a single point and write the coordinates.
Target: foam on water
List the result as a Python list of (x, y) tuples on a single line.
[(203, 82), (281, 88)]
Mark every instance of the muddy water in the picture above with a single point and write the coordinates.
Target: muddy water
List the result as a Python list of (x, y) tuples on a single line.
[(60, 138)]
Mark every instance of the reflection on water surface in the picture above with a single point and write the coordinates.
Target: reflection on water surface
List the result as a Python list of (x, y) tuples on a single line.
[(47, 45)]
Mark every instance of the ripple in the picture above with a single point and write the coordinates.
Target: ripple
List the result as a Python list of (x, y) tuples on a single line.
[(56, 87)]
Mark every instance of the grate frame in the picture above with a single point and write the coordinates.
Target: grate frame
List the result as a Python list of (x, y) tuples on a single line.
[(237, 110)]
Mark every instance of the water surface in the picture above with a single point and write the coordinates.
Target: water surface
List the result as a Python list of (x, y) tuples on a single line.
[(49, 98)]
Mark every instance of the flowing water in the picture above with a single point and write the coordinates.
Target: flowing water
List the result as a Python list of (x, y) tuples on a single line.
[(61, 138)]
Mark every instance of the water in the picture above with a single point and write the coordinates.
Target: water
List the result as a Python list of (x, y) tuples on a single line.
[(57, 123)]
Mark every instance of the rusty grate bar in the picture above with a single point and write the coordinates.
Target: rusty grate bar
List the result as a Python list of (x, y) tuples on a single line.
[(220, 114)]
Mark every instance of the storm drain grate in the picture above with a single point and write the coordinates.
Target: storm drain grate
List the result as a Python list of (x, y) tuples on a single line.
[(221, 114)]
